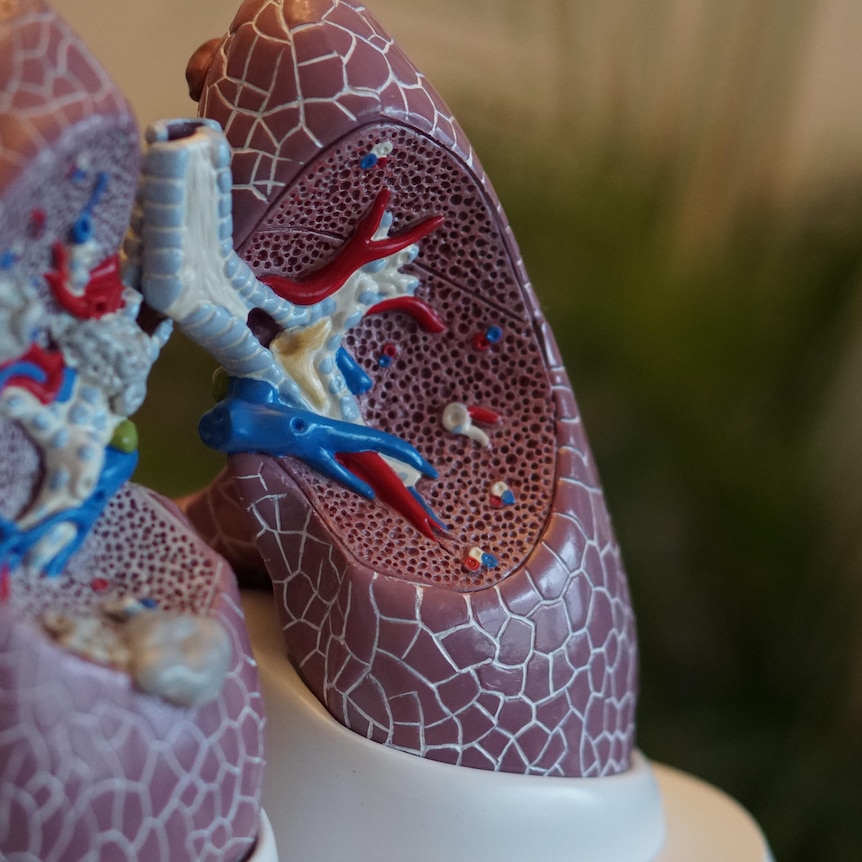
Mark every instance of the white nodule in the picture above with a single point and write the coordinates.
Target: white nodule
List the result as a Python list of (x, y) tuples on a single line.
[(182, 658), (456, 419)]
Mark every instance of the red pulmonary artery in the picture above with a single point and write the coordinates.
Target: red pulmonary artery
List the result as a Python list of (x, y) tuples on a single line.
[(102, 294), (46, 383)]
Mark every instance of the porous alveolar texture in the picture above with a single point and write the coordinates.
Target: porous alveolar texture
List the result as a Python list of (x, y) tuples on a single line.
[(528, 667), (468, 277), (60, 115), (90, 767)]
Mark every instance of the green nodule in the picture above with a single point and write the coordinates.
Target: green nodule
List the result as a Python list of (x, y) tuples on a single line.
[(125, 436)]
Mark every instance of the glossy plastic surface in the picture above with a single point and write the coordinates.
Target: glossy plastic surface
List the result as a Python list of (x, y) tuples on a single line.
[(391, 806)]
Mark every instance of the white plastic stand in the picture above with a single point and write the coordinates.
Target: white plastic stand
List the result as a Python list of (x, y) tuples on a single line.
[(264, 849), (333, 796), (705, 824)]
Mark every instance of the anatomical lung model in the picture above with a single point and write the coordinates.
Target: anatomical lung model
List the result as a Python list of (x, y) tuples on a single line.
[(406, 467), (130, 716), (405, 452)]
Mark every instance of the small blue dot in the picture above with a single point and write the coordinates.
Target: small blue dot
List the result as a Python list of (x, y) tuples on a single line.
[(489, 561), (493, 334), (149, 602), (82, 230), (508, 498), (384, 361), (368, 161)]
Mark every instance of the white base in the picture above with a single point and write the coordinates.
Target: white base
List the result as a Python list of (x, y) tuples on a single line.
[(705, 824), (335, 796), (264, 848)]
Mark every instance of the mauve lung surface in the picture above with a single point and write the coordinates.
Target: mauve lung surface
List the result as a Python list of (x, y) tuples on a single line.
[(93, 769), (529, 666), (58, 108), (50, 85), (90, 767)]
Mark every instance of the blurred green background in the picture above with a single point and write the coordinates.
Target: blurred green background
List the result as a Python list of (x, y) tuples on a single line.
[(707, 386), (706, 383), (684, 179)]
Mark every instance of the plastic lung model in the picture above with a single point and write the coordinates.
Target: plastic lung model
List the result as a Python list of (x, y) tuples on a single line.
[(495, 629), (130, 714)]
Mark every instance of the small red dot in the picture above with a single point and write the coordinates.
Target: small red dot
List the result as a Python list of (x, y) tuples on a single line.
[(99, 585), (480, 342), (37, 222)]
